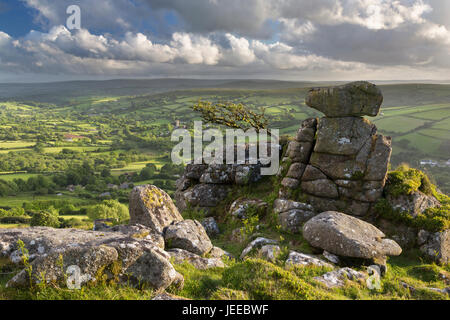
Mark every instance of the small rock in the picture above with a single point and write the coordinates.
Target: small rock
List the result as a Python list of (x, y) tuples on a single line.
[(270, 252), (240, 207), (331, 257), (188, 235), (337, 278), (296, 258), (180, 256), (211, 227), (257, 243)]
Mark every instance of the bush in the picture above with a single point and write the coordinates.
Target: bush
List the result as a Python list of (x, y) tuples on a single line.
[(109, 209), (45, 218), (405, 180), (14, 212)]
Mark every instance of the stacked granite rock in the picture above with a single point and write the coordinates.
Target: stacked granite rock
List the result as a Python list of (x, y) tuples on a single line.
[(204, 186), (339, 161)]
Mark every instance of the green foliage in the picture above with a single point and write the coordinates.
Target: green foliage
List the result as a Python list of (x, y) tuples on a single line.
[(265, 281), (45, 218), (14, 212), (109, 209), (231, 115), (405, 180), (433, 219)]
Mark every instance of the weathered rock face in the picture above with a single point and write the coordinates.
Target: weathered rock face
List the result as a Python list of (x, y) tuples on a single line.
[(188, 235), (91, 251), (339, 162), (347, 236), (414, 204), (435, 246), (292, 214), (152, 207), (359, 98), (204, 186), (211, 227)]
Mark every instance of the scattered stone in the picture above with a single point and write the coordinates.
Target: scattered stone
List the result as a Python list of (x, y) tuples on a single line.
[(347, 236), (152, 207), (188, 235), (256, 244), (180, 256), (240, 207), (301, 259), (359, 98), (211, 227), (270, 252), (331, 257), (167, 297), (338, 278)]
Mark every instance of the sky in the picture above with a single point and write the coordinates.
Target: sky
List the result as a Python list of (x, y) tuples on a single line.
[(217, 39)]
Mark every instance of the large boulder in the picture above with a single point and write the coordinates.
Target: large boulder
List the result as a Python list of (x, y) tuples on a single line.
[(52, 267), (136, 249), (347, 236), (189, 235), (359, 98), (152, 207)]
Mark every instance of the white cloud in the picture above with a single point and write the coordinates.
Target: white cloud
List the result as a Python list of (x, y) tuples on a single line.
[(231, 37)]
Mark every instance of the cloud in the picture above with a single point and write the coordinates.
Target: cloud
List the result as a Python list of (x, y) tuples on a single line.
[(321, 38)]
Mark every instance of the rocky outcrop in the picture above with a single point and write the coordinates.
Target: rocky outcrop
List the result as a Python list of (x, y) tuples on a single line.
[(152, 207), (204, 186), (339, 162), (130, 253), (348, 236), (188, 235), (53, 251)]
